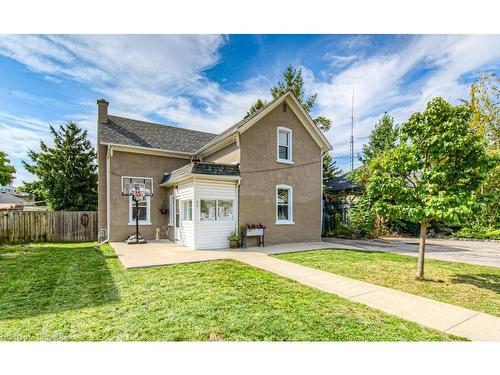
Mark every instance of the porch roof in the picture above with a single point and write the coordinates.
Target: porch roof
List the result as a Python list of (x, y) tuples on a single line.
[(197, 168)]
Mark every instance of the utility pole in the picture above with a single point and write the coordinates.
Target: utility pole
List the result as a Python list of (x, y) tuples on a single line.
[(352, 131)]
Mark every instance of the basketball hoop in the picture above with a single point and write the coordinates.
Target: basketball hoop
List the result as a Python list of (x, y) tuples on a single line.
[(137, 188), (139, 192)]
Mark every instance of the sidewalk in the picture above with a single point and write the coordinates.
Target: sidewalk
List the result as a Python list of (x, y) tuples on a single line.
[(448, 318), (444, 317)]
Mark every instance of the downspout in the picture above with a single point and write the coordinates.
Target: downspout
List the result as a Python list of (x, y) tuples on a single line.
[(321, 199), (108, 194)]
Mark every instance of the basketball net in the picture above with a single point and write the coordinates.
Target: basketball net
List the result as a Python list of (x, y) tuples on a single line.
[(139, 192)]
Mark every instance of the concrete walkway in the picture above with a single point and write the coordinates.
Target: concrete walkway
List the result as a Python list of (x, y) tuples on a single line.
[(433, 314), (485, 253)]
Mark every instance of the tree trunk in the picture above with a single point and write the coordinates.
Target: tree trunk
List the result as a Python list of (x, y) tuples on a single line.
[(421, 249)]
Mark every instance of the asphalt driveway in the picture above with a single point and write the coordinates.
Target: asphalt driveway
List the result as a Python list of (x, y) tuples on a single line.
[(473, 252)]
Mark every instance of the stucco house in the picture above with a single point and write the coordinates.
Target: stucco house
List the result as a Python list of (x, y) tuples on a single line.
[(266, 169)]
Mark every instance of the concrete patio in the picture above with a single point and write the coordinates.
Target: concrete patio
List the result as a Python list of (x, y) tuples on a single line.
[(445, 317)]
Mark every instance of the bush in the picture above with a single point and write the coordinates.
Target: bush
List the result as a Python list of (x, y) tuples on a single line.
[(341, 230), (478, 232)]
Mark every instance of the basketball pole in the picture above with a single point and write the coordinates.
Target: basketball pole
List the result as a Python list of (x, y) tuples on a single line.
[(136, 220)]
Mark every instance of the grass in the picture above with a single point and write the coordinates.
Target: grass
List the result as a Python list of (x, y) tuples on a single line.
[(471, 286), (72, 292)]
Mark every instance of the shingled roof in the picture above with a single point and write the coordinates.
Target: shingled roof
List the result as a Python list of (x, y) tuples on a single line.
[(343, 183), (124, 131), (202, 168)]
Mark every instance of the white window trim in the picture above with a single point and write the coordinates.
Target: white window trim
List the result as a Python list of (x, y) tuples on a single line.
[(290, 145), (181, 204), (171, 210), (290, 205), (131, 204)]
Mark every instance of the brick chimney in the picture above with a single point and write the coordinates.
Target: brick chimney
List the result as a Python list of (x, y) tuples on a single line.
[(102, 111)]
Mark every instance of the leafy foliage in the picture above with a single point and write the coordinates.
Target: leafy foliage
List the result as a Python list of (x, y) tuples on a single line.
[(434, 172), (479, 233), (7, 170), (484, 103), (67, 178), (436, 169)]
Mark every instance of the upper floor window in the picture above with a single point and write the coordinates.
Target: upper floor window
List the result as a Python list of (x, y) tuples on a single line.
[(284, 146)]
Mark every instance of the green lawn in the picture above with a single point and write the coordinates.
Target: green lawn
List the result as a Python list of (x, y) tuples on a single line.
[(72, 292), (471, 286)]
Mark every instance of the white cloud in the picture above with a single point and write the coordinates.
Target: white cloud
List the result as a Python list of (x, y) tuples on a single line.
[(379, 83)]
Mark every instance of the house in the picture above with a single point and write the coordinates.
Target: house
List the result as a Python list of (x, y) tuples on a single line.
[(266, 169), (10, 198), (341, 196)]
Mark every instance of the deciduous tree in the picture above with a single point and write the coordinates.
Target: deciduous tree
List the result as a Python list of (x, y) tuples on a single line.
[(434, 172)]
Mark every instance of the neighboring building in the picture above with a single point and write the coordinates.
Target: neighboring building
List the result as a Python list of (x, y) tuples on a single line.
[(10, 198), (341, 196), (265, 169)]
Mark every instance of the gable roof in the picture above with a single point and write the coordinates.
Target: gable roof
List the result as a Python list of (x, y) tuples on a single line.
[(248, 121), (142, 134), (128, 132), (201, 168)]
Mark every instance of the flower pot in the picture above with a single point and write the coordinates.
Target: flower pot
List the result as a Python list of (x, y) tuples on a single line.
[(255, 232), (234, 244)]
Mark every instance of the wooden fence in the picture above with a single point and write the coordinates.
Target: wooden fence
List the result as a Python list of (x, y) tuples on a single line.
[(48, 226)]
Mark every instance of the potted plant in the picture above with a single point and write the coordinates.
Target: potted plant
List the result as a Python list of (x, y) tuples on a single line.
[(234, 239), (163, 208)]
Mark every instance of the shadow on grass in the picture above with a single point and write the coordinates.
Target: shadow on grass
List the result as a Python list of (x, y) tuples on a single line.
[(483, 280), (54, 279)]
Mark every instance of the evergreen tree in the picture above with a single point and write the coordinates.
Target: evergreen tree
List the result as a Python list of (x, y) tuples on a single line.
[(67, 178), (330, 170), (383, 138), (6, 170), (292, 80), (256, 106)]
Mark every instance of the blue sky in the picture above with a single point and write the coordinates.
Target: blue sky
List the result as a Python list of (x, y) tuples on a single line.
[(208, 82)]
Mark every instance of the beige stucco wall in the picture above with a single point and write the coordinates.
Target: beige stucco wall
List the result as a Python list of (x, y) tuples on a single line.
[(227, 155), (260, 173), (140, 165)]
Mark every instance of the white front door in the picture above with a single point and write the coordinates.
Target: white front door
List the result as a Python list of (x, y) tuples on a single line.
[(177, 221)]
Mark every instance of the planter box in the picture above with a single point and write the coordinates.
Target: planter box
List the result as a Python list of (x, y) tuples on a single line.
[(255, 232)]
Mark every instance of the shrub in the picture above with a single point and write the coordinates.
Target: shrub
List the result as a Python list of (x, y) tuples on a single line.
[(479, 233)]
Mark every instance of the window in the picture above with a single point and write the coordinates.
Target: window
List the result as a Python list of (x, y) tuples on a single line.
[(187, 210), (284, 148), (207, 209), (213, 209), (143, 213), (284, 204), (224, 210)]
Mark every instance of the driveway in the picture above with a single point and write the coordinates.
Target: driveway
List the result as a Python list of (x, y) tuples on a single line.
[(473, 252)]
